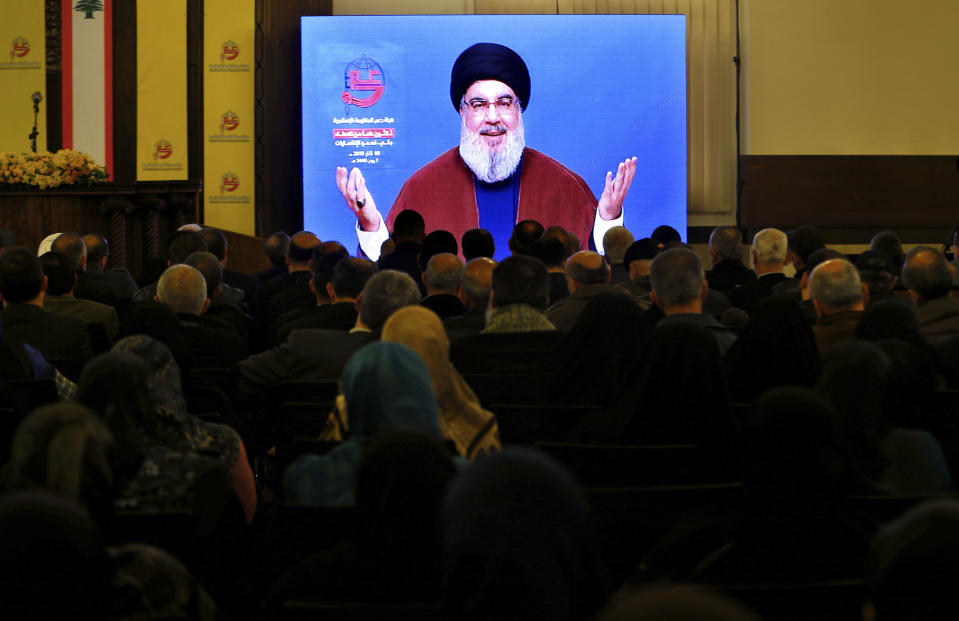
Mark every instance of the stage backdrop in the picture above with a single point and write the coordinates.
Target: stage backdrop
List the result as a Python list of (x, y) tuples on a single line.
[(22, 73), (604, 87)]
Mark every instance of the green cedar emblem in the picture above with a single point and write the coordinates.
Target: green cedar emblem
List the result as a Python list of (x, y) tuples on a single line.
[(88, 7)]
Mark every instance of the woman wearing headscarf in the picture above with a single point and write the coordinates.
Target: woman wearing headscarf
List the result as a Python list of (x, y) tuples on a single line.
[(462, 419), (385, 386), (519, 543), (176, 428)]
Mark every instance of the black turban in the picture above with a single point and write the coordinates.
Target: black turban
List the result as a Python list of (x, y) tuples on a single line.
[(489, 61)]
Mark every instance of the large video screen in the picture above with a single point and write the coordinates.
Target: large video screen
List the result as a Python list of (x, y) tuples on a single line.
[(376, 96)]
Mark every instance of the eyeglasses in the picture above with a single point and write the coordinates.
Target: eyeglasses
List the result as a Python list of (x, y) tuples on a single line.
[(505, 106)]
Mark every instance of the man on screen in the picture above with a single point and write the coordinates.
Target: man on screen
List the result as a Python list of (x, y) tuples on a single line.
[(492, 180)]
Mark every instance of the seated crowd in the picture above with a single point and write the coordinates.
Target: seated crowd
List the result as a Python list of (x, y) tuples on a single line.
[(562, 434)]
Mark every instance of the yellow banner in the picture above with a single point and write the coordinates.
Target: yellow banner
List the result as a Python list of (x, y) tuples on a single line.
[(22, 73), (161, 90), (228, 99)]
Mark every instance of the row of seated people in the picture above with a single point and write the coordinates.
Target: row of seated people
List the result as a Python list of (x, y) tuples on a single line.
[(667, 383)]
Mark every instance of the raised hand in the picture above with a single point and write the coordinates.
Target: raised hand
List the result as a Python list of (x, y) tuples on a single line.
[(614, 193), (358, 198)]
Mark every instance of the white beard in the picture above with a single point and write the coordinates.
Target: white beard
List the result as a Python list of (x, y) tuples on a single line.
[(492, 165)]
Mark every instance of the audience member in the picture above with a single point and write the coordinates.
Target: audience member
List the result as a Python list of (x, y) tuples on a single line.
[(297, 279), (928, 278), (552, 253), (664, 235), (876, 271), (726, 256), (409, 230), (478, 243), (276, 247), (385, 386), (519, 297), (182, 244), (442, 278), (60, 300), (889, 244), (525, 233), (587, 276), (615, 242), (839, 298), (474, 293), (769, 253), (679, 288), (237, 281), (118, 280), (803, 242), (637, 261), (519, 543)]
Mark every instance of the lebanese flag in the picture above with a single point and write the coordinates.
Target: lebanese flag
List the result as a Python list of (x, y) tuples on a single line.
[(88, 78)]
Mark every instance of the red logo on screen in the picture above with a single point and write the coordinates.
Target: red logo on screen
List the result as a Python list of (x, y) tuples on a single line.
[(363, 76), (162, 150), (19, 48), (229, 182), (229, 51), (229, 122)]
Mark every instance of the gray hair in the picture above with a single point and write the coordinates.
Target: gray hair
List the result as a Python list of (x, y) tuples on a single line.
[(445, 279), (384, 294), (183, 288), (925, 270), (835, 284), (770, 246), (477, 292), (677, 275), (727, 241), (615, 242)]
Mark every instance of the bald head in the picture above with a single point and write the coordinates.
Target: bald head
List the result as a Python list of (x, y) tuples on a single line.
[(98, 249), (586, 268), (183, 288), (302, 245), (835, 287), (477, 282), (926, 274), (444, 272)]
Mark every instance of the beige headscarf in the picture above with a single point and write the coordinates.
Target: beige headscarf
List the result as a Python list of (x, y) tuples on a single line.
[(462, 419)]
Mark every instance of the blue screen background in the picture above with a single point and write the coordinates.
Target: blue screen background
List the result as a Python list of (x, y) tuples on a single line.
[(604, 87)]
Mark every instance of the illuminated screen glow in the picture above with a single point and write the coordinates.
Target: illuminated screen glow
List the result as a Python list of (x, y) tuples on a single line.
[(604, 87)]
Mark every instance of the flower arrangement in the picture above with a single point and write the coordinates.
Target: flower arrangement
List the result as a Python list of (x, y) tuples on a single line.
[(49, 170)]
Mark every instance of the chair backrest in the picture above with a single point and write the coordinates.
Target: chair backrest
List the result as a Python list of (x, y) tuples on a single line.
[(528, 424), (493, 388), (598, 465)]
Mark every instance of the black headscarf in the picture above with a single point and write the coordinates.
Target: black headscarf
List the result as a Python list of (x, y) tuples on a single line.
[(489, 61), (519, 543)]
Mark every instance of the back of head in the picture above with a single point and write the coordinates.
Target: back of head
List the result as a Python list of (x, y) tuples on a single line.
[(436, 243), (183, 288), (477, 243), (727, 243), (821, 256), (677, 276), (551, 251), (55, 564), (804, 241), (890, 319), (615, 242), (211, 268), (926, 271), (640, 250), (71, 248), (587, 268), (60, 276), (444, 272), (524, 233), (21, 276), (302, 247), (330, 247), (97, 247), (409, 226), (665, 234), (351, 275), (520, 280), (835, 285), (384, 294), (876, 270), (183, 244), (770, 246), (115, 385), (478, 280), (276, 247), (888, 243), (519, 543), (215, 241), (562, 235), (912, 573), (323, 267), (387, 386), (676, 602)]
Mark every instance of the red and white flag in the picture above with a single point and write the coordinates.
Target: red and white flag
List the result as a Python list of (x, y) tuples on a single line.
[(87, 27)]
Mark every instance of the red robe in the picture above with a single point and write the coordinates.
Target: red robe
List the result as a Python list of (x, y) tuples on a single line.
[(442, 191)]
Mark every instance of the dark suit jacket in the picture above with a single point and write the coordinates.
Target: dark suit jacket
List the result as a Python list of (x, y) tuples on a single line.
[(306, 356), (404, 259), (472, 322), (245, 283), (558, 287), (57, 337), (211, 348), (564, 313), (444, 304), (339, 316), (728, 274), (271, 273), (118, 281), (283, 293), (747, 297), (518, 353)]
